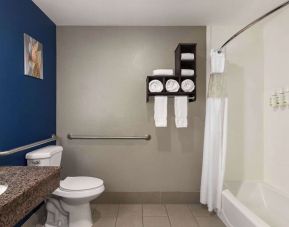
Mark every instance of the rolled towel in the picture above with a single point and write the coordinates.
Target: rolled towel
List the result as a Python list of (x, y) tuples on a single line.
[(187, 72), (163, 72), (156, 86), (188, 85), (172, 85), (160, 111), (181, 111), (187, 56)]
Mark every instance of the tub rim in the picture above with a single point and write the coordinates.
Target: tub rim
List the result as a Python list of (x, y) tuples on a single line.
[(255, 219)]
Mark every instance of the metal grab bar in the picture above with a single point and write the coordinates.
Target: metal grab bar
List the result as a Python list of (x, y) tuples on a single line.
[(82, 137), (26, 147)]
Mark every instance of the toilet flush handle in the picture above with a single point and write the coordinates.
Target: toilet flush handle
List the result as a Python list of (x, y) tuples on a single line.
[(35, 162)]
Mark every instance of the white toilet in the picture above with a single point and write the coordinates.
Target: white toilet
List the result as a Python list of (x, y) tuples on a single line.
[(72, 197)]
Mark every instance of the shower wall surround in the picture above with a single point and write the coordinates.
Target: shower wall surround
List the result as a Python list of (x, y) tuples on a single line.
[(245, 82), (257, 64), (276, 123), (101, 89), (28, 105)]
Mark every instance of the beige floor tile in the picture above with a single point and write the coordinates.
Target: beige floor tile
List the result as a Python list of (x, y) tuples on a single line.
[(127, 210), (199, 210), (154, 210), (129, 221), (156, 222), (181, 216), (105, 222), (184, 221), (210, 222), (178, 209), (104, 210)]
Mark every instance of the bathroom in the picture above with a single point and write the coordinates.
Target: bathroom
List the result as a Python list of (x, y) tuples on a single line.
[(80, 121)]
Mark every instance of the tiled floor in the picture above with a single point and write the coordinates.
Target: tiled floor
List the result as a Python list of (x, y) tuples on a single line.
[(153, 215)]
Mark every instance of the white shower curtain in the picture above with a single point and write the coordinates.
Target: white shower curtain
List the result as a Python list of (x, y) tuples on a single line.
[(215, 141)]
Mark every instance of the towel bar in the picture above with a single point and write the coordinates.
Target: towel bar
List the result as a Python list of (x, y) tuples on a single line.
[(82, 137), (29, 146)]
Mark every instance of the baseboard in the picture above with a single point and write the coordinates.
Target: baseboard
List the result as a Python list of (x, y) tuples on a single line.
[(148, 197)]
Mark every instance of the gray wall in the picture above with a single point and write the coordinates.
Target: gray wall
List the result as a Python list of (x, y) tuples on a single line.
[(101, 91)]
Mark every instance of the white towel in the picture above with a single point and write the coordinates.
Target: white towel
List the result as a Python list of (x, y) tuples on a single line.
[(163, 72), (187, 56), (217, 62), (181, 111), (187, 72), (172, 85), (188, 85), (160, 109), (156, 86)]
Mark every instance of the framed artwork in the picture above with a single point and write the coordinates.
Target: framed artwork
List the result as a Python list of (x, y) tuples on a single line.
[(33, 57)]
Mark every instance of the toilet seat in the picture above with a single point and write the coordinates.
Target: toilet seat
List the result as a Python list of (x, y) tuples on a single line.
[(79, 187), (80, 183)]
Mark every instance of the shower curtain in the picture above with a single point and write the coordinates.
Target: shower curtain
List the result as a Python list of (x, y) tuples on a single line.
[(215, 141)]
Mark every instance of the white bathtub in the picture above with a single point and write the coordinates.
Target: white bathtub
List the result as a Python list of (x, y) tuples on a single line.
[(254, 204)]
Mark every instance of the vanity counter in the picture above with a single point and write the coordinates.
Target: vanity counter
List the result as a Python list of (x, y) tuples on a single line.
[(28, 186)]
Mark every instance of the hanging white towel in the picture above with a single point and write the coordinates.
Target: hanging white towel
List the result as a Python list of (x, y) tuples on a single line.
[(163, 72), (172, 85), (187, 72), (160, 111), (187, 56), (217, 62), (188, 85), (156, 86), (181, 111)]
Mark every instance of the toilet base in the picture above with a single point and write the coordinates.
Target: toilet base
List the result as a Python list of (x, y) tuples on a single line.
[(79, 215)]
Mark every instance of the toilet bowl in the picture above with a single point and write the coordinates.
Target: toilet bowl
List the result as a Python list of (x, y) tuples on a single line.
[(73, 195)]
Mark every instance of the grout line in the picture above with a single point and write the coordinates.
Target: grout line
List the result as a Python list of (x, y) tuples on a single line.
[(142, 215), (165, 205), (192, 213), (116, 217)]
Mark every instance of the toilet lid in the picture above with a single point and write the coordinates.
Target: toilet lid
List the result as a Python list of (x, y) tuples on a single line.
[(80, 183)]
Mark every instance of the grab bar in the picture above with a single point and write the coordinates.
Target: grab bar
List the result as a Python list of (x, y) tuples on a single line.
[(82, 137), (26, 147)]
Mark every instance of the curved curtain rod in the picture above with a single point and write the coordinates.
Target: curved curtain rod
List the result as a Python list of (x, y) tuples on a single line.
[(252, 24)]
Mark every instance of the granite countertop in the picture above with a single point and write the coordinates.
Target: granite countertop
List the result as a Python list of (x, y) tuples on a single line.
[(28, 186)]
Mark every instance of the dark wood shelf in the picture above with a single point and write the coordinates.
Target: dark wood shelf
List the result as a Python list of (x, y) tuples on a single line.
[(179, 65)]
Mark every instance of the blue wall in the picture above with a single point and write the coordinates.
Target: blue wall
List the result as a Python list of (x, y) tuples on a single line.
[(27, 105)]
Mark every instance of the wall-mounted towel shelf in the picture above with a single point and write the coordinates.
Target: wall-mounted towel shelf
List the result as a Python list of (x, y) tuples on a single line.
[(179, 65), (29, 146), (164, 79), (87, 137)]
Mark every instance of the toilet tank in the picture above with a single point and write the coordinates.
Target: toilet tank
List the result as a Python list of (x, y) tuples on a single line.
[(46, 156)]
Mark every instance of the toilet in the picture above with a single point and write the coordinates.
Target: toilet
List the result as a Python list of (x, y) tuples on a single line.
[(70, 205)]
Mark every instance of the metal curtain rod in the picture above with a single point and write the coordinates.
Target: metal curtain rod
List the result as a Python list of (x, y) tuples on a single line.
[(26, 147), (82, 137), (253, 23)]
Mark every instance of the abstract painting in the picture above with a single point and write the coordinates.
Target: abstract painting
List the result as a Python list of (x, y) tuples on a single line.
[(33, 57)]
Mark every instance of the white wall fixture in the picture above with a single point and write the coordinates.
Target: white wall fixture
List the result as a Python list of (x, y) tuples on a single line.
[(279, 99), (273, 100)]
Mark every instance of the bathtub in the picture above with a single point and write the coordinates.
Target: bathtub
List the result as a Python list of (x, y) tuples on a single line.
[(254, 204)]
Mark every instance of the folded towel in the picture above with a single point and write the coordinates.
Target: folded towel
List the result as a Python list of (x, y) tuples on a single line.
[(172, 85), (181, 111), (188, 85), (217, 62), (163, 72), (156, 86), (187, 56), (160, 108), (187, 72)]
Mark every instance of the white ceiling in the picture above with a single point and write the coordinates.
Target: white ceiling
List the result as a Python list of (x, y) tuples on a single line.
[(154, 12)]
